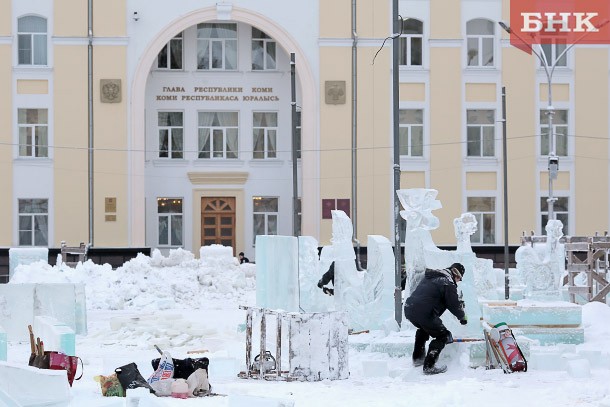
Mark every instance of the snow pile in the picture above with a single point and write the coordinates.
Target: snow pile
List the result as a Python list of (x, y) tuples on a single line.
[(150, 283)]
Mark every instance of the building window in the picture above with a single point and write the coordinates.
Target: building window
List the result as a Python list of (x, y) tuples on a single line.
[(169, 213), (484, 210), (329, 205), (171, 139), (218, 134), (170, 56), (480, 42), (263, 51), (32, 40), (217, 46), (264, 134), (411, 132), (411, 43), (33, 132), (560, 209), (264, 217), (299, 141), (552, 51), (480, 133), (33, 222), (560, 131)]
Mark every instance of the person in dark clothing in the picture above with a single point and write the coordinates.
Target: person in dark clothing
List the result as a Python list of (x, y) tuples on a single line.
[(328, 277), (435, 294), (243, 258)]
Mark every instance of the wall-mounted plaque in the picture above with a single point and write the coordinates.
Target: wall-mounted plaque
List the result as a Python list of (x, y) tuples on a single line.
[(110, 90), (334, 92)]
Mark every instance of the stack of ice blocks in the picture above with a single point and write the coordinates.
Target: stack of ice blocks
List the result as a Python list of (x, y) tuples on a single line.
[(548, 322)]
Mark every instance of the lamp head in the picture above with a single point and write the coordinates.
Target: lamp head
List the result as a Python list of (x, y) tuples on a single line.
[(504, 26)]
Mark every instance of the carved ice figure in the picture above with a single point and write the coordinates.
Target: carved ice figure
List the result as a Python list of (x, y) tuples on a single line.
[(312, 299), (484, 278), (348, 281), (542, 267), (418, 204)]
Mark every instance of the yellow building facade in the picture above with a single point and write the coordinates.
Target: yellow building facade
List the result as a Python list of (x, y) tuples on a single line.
[(132, 123)]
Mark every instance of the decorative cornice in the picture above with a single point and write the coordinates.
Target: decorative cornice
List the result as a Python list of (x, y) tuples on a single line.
[(216, 178)]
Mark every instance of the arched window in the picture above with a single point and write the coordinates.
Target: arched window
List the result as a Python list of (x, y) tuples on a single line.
[(32, 40), (411, 43), (480, 42)]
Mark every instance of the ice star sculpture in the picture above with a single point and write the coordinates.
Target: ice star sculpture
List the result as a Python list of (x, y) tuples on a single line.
[(418, 204), (542, 269)]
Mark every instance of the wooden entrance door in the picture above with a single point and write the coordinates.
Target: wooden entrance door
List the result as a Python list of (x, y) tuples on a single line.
[(218, 221)]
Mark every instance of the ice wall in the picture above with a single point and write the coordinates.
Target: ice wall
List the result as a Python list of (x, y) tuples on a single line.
[(277, 282), (20, 303)]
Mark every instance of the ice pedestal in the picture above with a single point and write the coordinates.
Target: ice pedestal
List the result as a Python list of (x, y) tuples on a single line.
[(20, 303), (55, 335), (25, 255), (277, 282), (318, 346), (548, 322)]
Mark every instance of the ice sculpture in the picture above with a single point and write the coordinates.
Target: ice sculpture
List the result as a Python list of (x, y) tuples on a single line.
[(418, 204), (542, 267), (422, 253), (348, 281), (312, 299), (484, 277)]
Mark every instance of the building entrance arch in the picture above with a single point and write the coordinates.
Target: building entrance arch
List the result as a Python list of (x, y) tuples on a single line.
[(309, 92)]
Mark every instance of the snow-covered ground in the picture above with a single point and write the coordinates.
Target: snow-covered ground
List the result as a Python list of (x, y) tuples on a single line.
[(183, 304)]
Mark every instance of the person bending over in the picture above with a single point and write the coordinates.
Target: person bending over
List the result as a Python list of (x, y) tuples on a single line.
[(435, 294)]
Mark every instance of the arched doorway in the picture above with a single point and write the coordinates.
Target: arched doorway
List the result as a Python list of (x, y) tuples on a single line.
[(309, 160)]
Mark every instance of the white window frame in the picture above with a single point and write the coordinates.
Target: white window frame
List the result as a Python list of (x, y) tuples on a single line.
[(269, 132), (482, 142), (265, 216), (562, 213), (481, 40), (218, 130), (33, 222), (550, 52), (406, 46), (30, 37), (267, 43), (176, 42), (544, 127), (172, 154), (211, 41), (409, 128), (480, 235), (34, 148), (171, 219)]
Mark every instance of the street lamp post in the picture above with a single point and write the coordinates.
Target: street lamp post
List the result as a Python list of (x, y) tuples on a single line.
[(553, 159)]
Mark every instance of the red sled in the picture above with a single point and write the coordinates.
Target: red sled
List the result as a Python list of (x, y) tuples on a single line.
[(506, 349)]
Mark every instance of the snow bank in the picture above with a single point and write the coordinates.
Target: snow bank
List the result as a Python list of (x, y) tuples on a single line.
[(149, 283)]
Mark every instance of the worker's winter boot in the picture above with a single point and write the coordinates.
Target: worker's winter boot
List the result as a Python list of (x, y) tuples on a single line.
[(419, 347), (430, 366)]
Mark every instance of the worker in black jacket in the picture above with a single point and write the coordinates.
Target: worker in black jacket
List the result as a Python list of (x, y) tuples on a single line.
[(435, 294)]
